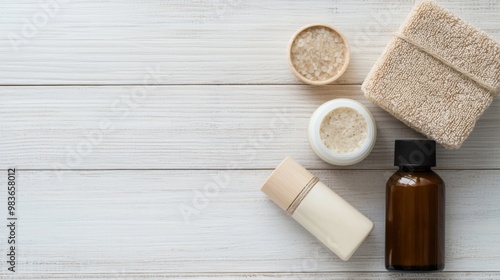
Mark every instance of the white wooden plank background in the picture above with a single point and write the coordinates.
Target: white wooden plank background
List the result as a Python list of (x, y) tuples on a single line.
[(118, 114), (193, 41), (133, 221), (196, 127)]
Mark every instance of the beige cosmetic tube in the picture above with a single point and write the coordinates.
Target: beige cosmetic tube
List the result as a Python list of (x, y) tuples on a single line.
[(326, 215)]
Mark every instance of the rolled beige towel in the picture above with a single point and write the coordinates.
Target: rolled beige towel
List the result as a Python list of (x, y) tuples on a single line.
[(437, 75)]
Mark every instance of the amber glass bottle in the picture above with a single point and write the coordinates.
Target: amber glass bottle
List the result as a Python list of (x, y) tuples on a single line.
[(415, 203)]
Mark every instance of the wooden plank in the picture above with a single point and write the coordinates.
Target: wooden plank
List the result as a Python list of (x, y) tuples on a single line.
[(196, 127), (265, 276), (192, 42), (129, 222)]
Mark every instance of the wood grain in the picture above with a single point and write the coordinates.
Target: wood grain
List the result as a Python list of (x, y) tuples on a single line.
[(196, 127), (183, 106), (136, 222), (193, 42), (266, 276)]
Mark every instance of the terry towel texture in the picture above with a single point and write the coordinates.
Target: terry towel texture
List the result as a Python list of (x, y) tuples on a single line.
[(437, 75)]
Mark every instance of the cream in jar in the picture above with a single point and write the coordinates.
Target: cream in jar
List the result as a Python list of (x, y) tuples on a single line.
[(342, 132)]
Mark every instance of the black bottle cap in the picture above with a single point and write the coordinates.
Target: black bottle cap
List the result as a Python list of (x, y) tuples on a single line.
[(415, 153)]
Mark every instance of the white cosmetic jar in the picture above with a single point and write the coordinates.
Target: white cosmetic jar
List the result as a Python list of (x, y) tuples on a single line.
[(329, 155)]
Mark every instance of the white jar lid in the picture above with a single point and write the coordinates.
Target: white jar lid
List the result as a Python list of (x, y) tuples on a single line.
[(330, 155)]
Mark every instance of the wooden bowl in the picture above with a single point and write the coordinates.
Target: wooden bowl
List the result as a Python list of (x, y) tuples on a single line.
[(318, 82)]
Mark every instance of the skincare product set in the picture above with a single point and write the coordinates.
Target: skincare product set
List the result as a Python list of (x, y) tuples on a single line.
[(437, 75)]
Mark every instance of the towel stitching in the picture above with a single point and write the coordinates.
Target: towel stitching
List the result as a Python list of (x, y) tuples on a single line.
[(493, 91)]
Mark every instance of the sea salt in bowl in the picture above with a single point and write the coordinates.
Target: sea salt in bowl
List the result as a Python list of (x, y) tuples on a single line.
[(318, 54)]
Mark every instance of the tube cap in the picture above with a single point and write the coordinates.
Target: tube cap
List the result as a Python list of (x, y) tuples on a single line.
[(286, 182), (415, 153)]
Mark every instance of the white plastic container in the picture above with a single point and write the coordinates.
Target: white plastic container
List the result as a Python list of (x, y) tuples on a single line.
[(331, 219), (330, 155)]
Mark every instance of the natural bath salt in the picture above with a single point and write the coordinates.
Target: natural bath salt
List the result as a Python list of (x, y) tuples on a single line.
[(318, 53), (343, 130)]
